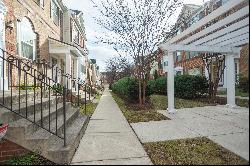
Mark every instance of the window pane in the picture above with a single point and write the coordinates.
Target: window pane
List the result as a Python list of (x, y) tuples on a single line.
[(27, 50), (26, 39), (55, 13)]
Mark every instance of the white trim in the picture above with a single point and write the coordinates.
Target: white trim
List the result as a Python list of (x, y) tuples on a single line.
[(3, 9), (215, 49)]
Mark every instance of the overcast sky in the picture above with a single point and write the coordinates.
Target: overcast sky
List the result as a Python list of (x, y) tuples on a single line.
[(98, 51)]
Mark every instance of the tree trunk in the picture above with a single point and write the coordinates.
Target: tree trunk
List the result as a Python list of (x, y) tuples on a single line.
[(144, 92), (140, 92)]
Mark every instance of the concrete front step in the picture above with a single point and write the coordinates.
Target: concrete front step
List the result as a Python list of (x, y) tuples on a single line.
[(29, 107), (32, 137), (7, 99), (60, 154)]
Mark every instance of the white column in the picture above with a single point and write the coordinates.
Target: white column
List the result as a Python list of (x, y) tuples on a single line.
[(230, 69), (3, 75), (68, 65), (76, 68), (76, 75), (170, 79)]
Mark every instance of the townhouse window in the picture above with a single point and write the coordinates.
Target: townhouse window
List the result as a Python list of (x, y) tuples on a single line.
[(26, 39), (83, 69), (178, 56), (55, 13), (40, 3), (166, 63)]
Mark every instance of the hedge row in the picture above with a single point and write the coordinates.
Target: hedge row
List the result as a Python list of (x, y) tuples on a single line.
[(127, 88), (186, 87)]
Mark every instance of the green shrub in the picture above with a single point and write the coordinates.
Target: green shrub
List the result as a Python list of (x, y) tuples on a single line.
[(28, 87), (186, 86), (127, 88), (57, 88), (243, 83), (151, 87), (190, 87)]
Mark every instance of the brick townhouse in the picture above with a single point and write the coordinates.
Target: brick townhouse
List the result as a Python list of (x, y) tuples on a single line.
[(46, 29), (190, 62), (41, 120)]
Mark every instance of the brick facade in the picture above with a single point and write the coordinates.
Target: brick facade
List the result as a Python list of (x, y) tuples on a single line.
[(41, 22), (244, 61), (189, 64), (39, 17), (9, 149)]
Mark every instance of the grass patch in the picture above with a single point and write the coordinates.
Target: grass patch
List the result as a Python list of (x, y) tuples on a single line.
[(90, 109), (160, 102), (29, 159), (135, 114), (238, 92), (198, 151)]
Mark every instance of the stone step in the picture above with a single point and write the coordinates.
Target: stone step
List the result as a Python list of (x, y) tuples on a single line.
[(8, 116), (7, 98), (63, 155), (38, 140), (48, 116)]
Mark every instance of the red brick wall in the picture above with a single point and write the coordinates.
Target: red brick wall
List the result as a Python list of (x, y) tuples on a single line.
[(244, 61), (9, 149), (195, 62)]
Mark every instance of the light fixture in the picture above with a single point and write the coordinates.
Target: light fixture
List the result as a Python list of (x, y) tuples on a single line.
[(10, 25)]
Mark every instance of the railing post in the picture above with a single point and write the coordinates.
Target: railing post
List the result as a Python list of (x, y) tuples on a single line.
[(64, 115), (78, 87), (85, 103)]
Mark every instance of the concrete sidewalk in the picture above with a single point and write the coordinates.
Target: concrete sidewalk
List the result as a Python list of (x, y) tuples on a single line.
[(226, 126), (109, 140)]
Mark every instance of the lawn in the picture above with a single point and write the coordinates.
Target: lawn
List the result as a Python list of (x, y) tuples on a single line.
[(238, 92), (160, 102), (198, 151), (90, 109), (29, 159), (135, 114)]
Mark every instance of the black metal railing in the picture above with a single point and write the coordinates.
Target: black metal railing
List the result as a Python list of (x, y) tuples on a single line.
[(33, 91)]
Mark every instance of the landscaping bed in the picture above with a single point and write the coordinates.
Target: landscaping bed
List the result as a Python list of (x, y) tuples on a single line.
[(197, 151), (134, 113), (160, 102), (29, 159)]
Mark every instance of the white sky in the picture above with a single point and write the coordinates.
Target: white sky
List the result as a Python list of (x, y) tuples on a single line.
[(99, 52)]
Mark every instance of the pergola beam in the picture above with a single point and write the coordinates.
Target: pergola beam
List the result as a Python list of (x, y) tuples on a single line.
[(211, 49)]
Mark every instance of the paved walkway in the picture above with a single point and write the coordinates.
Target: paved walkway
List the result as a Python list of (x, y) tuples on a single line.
[(225, 126), (109, 140)]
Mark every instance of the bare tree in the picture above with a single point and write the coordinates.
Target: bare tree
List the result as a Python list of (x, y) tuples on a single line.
[(215, 65), (117, 68), (137, 27)]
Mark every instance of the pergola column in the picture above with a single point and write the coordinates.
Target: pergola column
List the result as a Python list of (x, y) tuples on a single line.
[(68, 66), (170, 79), (230, 69)]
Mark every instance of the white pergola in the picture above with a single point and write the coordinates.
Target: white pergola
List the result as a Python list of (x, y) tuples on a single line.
[(230, 52), (226, 36)]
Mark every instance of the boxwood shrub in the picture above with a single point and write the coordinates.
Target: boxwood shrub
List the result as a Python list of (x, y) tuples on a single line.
[(127, 88), (186, 87), (190, 87)]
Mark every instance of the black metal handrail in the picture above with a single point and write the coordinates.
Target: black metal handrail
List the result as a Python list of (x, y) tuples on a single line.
[(20, 73)]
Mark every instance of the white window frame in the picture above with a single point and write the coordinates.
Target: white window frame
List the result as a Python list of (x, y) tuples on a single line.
[(19, 40)]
